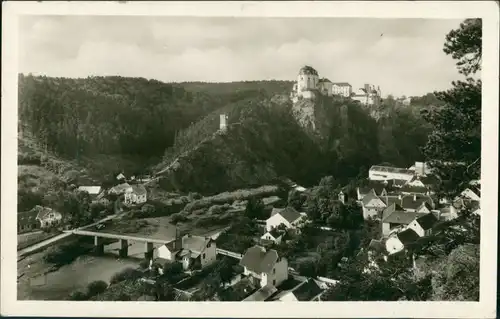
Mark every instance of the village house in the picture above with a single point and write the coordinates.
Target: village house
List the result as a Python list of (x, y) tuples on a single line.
[(448, 213), (265, 266), (395, 218), (274, 235), (378, 172), (136, 194), (378, 187), (26, 221), (412, 203), (372, 205), (47, 217), (192, 251), (472, 193), (398, 242), (307, 290), (422, 225), (262, 293), (287, 216), (120, 189)]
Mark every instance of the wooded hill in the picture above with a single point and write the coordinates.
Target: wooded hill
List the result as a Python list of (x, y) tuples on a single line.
[(264, 141)]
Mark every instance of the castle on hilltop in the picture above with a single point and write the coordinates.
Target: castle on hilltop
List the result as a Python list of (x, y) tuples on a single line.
[(309, 84)]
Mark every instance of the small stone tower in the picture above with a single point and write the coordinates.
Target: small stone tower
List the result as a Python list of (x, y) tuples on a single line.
[(223, 122)]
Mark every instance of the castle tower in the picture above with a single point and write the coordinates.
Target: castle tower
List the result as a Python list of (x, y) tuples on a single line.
[(223, 122), (307, 79)]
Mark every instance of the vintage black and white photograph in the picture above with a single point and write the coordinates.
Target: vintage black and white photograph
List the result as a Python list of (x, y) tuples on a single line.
[(249, 158)]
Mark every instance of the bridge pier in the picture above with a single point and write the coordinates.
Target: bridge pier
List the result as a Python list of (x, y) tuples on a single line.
[(99, 245), (123, 248), (149, 250)]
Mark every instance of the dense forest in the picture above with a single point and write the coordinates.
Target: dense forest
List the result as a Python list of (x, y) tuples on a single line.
[(134, 117)]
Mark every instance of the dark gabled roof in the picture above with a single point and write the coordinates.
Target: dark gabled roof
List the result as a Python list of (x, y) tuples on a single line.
[(259, 260), (288, 213), (42, 212), (414, 189), (139, 189), (368, 197), (275, 232), (391, 199), (408, 236), (426, 205), (408, 202), (396, 215), (429, 179), (427, 221), (308, 70), (307, 290), (324, 80), (475, 189), (377, 186), (262, 293)]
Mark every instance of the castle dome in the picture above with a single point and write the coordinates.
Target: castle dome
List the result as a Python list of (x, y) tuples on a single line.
[(308, 70)]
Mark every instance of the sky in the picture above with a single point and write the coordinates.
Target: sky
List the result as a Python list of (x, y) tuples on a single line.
[(402, 56)]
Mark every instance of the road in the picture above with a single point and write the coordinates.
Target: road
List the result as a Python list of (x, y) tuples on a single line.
[(59, 237)]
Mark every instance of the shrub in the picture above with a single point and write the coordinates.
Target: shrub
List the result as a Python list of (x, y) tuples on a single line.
[(96, 287), (178, 217), (172, 268), (78, 296), (144, 264), (127, 273)]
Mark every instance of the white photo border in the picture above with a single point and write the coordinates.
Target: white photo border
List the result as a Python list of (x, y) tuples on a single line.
[(485, 308)]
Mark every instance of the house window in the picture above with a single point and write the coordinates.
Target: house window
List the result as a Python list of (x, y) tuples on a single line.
[(274, 270), (203, 255), (274, 282)]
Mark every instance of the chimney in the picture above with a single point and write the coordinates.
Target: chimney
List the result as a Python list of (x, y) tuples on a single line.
[(178, 239)]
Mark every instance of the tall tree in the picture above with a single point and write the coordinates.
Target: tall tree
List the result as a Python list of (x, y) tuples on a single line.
[(454, 147), (464, 45)]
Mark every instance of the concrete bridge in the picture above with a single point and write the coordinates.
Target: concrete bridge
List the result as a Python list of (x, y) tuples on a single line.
[(99, 241), (228, 253)]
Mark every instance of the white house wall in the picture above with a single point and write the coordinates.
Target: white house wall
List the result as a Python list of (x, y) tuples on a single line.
[(210, 255), (394, 245), (163, 252), (280, 274), (417, 228), (275, 221)]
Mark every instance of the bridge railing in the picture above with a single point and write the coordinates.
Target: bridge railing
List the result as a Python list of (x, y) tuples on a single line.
[(228, 253)]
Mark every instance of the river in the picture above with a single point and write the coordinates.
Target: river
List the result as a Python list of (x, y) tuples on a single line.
[(57, 285)]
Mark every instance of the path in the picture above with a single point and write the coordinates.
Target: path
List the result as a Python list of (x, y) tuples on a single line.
[(185, 153)]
